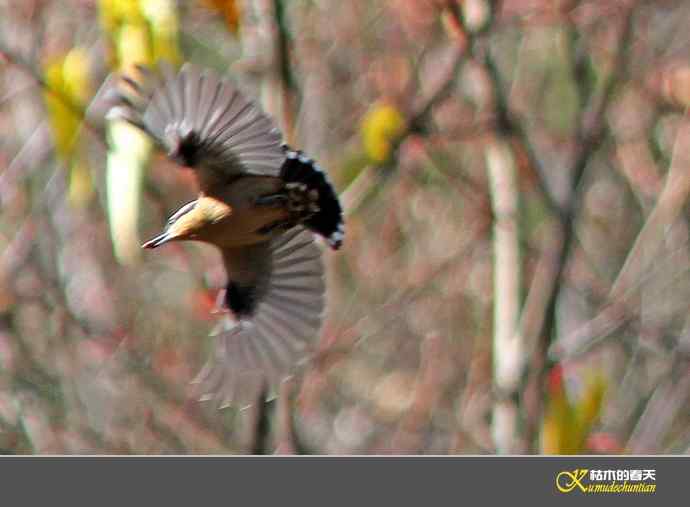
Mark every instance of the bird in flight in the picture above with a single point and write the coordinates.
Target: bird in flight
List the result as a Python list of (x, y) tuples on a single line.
[(260, 202)]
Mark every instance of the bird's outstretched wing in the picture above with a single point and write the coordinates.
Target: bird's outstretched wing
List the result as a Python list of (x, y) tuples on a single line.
[(276, 292), (201, 121)]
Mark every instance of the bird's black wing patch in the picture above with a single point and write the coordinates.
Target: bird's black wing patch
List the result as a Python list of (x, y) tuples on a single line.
[(241, 299)]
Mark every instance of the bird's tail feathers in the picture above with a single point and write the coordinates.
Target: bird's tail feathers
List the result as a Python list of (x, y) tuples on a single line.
[(327, 216)]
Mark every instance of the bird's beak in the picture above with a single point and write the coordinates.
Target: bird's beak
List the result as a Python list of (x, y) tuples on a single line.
[(158, 240)]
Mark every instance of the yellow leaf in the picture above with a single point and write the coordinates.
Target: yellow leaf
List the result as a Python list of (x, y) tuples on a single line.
[(62, 119), (75, 75), (114, 13), (567, 425), (558, 417), (133, 45), (80, 184), (67, 89), (590, 404), (380, 128), (107, 15), (162, 17)]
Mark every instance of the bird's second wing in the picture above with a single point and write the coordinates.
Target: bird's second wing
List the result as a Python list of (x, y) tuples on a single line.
[(202, 121), (276, 292)]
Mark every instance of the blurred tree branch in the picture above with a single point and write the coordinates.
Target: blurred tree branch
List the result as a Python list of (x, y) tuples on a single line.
[(589, 136)]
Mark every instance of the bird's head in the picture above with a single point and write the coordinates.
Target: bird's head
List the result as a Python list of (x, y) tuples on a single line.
[(193, 222), (189, 226)]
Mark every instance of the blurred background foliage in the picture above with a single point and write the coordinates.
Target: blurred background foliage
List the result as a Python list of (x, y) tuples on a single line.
[(515, 272)]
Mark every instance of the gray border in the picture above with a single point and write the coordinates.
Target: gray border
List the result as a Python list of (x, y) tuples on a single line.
[(351, 481)]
